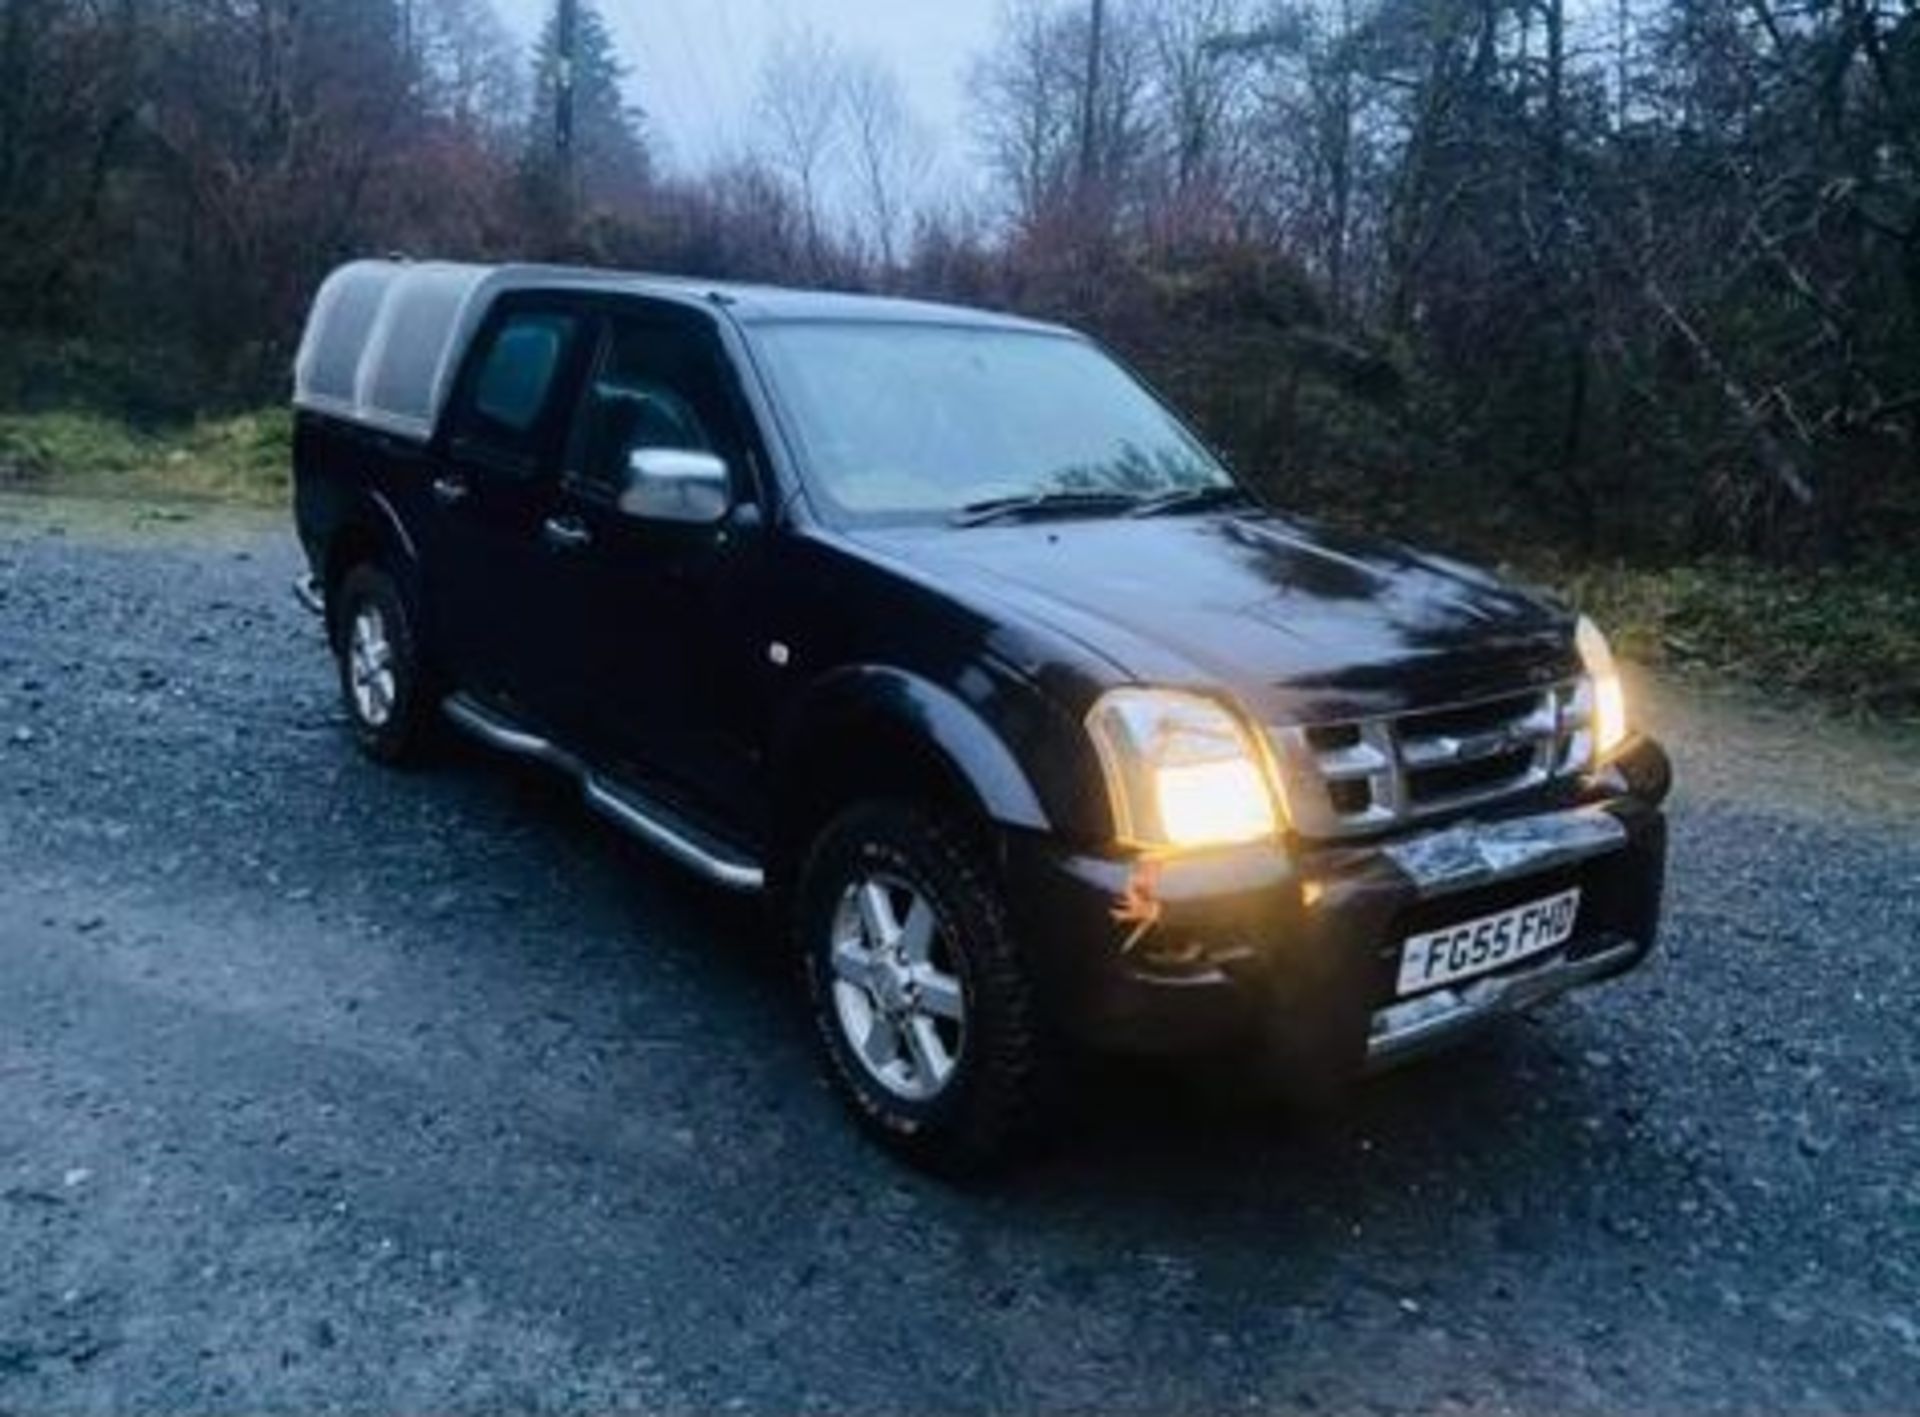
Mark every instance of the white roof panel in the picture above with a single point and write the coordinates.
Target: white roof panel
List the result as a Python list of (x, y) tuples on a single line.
[(384, 339)]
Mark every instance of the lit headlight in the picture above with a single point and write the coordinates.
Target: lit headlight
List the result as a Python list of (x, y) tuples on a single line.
[(1609, 695), (1182, 771)]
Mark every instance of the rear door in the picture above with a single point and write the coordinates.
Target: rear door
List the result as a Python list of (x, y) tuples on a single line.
[(494, 489), (670, 617)]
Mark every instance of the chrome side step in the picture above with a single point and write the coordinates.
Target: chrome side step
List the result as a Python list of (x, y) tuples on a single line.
[(626, 808), (497, 732), (647, 821), (306, 590)]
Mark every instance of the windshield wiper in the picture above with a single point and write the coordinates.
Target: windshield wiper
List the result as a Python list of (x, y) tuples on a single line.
[(1041, 503), (1192, 499)]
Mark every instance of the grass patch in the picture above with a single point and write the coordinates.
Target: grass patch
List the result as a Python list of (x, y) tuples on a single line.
[(1851, 637), (245, 458)]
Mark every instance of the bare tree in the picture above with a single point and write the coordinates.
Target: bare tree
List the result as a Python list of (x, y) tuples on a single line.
[(1026, 94), (1060, 132), (472, 69), (1201, 99), (801, 99), (889, 149)]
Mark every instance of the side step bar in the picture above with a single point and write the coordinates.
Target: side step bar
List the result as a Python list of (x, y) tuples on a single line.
[(654, 824), (306, 590)]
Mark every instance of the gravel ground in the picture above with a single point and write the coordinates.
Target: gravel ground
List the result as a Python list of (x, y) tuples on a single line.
[(323, 1087)]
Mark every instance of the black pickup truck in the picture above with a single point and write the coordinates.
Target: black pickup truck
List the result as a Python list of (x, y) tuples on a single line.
[(1036, 727)]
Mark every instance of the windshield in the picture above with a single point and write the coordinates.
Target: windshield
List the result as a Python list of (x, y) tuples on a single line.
[(906, 420)]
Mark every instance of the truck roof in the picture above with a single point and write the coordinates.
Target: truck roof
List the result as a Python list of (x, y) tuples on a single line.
[(384, 338)]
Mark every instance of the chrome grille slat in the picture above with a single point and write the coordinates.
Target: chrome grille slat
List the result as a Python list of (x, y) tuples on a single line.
[(1365, 776), (1346, 764)]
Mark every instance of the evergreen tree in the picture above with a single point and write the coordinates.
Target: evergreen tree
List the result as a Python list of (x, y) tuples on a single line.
[(609, 160)]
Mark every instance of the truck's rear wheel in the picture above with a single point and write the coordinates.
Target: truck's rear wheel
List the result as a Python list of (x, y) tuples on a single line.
[(922, 1002), (382, 679)]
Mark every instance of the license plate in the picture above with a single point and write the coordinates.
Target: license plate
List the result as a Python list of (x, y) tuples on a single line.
[(1477, 946)]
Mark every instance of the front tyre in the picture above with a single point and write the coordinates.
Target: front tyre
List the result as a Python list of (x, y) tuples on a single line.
[(922, 1003), (383, 681)]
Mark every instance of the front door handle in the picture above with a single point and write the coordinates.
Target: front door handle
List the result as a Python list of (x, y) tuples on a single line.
[(451, 491), (565, 533)]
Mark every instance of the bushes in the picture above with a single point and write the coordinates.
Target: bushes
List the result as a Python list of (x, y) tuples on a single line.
[(1850, 636), (243, 458)]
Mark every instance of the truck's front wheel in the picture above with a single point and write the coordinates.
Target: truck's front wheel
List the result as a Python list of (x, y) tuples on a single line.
[(383, 681), (924, 1007)]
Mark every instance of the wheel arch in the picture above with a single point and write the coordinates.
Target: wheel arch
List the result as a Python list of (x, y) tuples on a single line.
[(372, 533), (872, 731)]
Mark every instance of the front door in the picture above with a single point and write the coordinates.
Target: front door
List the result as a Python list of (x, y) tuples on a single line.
[(669, 615)]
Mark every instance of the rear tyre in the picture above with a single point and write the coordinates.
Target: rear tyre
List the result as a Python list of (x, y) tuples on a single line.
[(383, 681), (923, 1005)]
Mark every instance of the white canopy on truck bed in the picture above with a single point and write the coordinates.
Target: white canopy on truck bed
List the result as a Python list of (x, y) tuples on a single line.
[(384, 340)]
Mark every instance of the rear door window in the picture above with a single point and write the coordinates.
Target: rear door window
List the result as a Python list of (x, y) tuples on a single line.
[(507, 416)]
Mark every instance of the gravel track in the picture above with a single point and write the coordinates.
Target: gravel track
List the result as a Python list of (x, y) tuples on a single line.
[(329, 1088)]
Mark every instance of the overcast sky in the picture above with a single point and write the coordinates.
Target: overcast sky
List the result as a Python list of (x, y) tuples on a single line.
[(694, 61)]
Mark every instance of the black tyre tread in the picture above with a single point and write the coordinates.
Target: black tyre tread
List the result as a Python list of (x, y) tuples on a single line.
[(1007, 1090), (408, 735)]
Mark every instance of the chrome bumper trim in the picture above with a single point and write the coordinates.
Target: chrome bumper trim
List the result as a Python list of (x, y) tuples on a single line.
[(1414, 1026), (306, 590), (1473, 854)]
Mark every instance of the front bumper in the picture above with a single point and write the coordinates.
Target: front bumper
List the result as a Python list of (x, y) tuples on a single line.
[(1298, 951)]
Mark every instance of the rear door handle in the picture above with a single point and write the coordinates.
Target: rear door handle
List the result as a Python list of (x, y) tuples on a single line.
[(451, 491), (565, 533)]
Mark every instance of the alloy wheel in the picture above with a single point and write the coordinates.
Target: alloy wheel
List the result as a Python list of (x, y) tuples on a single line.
[(370, 667), (897, 998)]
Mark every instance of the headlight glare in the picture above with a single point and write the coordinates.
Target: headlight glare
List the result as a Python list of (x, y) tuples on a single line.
[(1609, 694), (1181, 770)]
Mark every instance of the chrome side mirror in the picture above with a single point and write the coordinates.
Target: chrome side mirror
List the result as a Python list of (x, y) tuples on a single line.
[(676, 485)]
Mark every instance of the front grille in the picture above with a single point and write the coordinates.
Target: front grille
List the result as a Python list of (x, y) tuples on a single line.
[(1371, 775), (1451, 780)]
